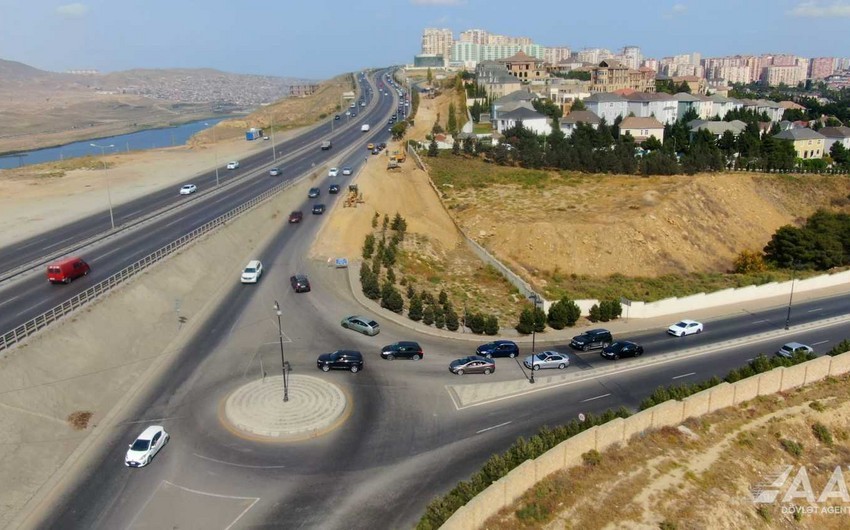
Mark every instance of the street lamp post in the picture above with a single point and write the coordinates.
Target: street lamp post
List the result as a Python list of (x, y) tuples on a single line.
[(791, 298), (282, 359), (535, 300), (274, 152), (106, 173)]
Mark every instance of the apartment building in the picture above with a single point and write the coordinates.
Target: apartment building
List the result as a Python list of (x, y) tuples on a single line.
[(822, 67), (437, 42), (790, 75)]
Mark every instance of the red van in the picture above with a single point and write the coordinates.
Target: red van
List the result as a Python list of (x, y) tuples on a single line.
[(67, 270)]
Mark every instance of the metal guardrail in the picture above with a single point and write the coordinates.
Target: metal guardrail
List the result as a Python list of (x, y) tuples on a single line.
[(17, 335)]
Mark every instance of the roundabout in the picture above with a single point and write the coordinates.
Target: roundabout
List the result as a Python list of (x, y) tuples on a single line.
[(257, 410)]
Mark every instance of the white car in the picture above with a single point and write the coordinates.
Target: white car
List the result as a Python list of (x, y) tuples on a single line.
[(146, 446), (793, 348), (547, 359), (346, 171), (188, 189), (333, 172), (233, 164), (252, 271), (685, 327)]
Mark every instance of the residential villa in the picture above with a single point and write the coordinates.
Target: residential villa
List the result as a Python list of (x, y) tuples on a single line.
[(530, 118), (833, 135), (607, 106), (807, 143), (610, 76), (717, 128), (570, 122), (642, 128)]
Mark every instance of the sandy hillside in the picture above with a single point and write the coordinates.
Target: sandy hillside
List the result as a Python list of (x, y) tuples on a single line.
[(601, 225), (703, 474)]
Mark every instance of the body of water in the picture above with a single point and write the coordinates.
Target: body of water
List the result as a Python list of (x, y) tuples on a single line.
[(137, 141)]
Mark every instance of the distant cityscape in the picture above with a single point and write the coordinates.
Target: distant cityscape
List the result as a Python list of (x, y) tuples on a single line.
[(441, 49)]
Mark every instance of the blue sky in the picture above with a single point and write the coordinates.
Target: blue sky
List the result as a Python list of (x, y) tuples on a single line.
[(320, 38)]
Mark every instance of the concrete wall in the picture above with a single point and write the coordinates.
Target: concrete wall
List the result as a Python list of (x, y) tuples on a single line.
[(568, 453), (674, 306)]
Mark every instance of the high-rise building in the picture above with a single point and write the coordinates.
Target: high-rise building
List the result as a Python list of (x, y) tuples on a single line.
[(437, 42), (556, 54), (785, 74), (632, 56), (475, 36), (821, 67), (594, 55)]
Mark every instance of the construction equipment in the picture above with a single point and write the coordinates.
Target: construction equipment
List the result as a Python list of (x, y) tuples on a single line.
[(354, 197), (392, 164)]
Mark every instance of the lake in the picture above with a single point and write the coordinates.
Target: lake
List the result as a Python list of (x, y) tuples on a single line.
[(137, 141)]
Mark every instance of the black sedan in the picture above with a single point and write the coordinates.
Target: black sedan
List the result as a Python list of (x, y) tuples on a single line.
[(333, 188), (341, 360), (622, 348), (318, 209), (300, 283)]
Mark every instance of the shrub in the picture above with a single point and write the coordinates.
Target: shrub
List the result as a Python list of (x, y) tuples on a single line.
[(526, 322), (476, 322), (533, 513), (428, 315), (791, 447), (539, 320), (563, 313), (390, 275), (452, 320), (443, 298), (491, 325), (439, 317), (749, 261), (591, 458), (415, 310), (368, 246), (817, 405), (822, 433), (411, 292), (595, 315), (395, 302)]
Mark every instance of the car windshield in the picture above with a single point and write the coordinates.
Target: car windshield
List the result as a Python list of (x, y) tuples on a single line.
[(682, 324), (250, 270), (141, 445)]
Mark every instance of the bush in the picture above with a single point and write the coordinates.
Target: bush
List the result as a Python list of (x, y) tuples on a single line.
[(526, 322), (533, 513), (443, 298), (411, 292), (390, 275), (476, 322), (591, 458), (822, 433), (415, 311), (395, 303), (452, 320), (368, 246), (750, 261), (791, 447), (595, 315), (439, 317), (539, 320), (563, 313), (491, 325), (428, 315)]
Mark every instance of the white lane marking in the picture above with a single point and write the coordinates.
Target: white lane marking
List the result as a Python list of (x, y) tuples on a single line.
[(685, 375), (179, 220), (208, 494), (750, 359), (597, 397), (762, 321), (813, 310), (820, 342), (101, 256), (223, 462), (9, 300), (256, 499), (494, 427)]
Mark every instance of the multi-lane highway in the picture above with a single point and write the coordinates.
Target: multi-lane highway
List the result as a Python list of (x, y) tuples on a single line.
[(405, 441), (31, 295)]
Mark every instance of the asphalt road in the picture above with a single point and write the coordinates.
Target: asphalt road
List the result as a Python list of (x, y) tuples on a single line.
[(31, 294), (405, 441)]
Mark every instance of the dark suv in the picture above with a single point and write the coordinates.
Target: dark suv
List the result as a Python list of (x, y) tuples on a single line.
[(592, 339), (300, 283), (498, 348), (341, 360), (402, 349)]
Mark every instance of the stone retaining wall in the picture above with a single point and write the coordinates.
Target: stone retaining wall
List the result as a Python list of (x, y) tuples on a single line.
[(568, 453)]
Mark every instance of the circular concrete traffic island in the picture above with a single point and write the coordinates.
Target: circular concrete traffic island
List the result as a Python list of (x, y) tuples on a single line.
[(257, 409)]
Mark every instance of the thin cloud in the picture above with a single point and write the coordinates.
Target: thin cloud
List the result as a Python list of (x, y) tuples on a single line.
[(813, 9), (72, 10), (437, 2), (676, 10)]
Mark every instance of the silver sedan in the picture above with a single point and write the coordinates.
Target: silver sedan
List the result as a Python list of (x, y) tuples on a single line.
[(547, 359)]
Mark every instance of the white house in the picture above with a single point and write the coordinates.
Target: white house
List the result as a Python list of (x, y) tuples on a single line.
[(722, 105), (607, 106), (835, 134), (531, 120), (642, 128), (570, 122), (702, 105), (663, 107)]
